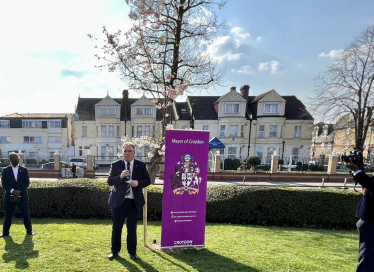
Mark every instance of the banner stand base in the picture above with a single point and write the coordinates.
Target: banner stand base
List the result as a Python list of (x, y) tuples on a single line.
[(172, 249)]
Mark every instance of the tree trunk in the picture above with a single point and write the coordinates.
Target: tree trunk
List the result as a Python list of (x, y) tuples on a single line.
[(154, 167)]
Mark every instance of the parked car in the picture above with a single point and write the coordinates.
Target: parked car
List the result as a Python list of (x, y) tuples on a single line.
[(51, 165), (80, 162), (4, 162)]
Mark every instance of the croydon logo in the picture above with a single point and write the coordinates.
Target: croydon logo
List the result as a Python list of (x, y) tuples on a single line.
[(183, 242)]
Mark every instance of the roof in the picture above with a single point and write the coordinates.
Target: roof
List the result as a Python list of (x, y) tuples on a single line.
[(36, 115)]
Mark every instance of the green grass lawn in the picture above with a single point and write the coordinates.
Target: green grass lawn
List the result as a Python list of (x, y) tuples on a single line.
[(83, 245)]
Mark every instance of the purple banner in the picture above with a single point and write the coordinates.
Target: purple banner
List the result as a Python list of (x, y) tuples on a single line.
[(185, 183)]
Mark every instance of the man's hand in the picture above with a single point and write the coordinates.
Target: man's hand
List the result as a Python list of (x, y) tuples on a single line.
[(134, 183), (125, 173), (16, 193), (351, 165)]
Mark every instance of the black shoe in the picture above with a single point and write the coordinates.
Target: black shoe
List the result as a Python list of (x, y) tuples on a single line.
[(4, 235), (30, 233), (112, 256), (134, 256)]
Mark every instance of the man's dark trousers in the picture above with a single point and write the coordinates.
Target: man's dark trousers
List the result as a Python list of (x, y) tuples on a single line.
[(23, 205), (366, 249), (127, 212)]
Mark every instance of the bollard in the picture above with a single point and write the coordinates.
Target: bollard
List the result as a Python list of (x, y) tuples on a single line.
[(345, 183), (323, 182)]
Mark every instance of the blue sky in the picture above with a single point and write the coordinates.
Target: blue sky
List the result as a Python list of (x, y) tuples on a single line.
[(47, 60)]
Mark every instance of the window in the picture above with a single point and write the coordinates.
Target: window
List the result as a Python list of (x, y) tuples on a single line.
[(32, 139), (103, 151), (346, 145), (222, 133), (232, 152), (273, 131), (111, 131), (55, 124), (84, 131), (54, 139), (52, 154), (297, 132), (147, 130), (106, 111), (111, 151), (80, 151), (33, 155), (184, 127), (31, 124), (260, 152), (4, 124), (233, 131), (139, 131), (143, 111), (103, 131), (261, 131), (242, 131), (271, 108), (232, 108), (328, 146), (205, 127), (348, 130), (4, 139), (323, 146), (295, 154)]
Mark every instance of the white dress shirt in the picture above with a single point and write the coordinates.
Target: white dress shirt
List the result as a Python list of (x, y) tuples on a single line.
[(15, 172)]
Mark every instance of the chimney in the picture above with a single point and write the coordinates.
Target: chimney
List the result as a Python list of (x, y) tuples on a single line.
[(232, 89), (244, 91), (125, 103)]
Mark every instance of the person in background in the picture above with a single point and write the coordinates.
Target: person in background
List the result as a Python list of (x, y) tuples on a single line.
[(74, 170), (15, 180)]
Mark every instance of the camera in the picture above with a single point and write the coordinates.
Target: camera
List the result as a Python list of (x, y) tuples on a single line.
[(357, 158)]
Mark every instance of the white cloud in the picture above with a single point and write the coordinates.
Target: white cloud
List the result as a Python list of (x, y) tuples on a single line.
[(223, 49), (333, 54), (271, 66), (259, 38), (244, 70), (240, 33)]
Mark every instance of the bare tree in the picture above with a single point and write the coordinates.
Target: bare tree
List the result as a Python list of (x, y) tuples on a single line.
[(346, 88), (164, 52)]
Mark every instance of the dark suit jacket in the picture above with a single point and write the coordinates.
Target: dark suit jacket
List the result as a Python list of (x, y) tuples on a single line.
[(9, 182), (365, 209), (117, 194)]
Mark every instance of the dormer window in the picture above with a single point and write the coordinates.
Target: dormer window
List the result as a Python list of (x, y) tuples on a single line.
[(143, 111), (232, 108), (107, 111), (271, 108), (4, 124)]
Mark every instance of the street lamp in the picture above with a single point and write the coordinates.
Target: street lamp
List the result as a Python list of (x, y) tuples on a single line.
[(250, 127)]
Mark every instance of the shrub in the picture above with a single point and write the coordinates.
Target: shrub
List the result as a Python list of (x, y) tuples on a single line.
[(229, 164), (280, 162), (84, 198), (236, 163), (253, 161), (299, 166)]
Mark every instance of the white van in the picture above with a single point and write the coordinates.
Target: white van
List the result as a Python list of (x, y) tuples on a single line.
[(79, 162)]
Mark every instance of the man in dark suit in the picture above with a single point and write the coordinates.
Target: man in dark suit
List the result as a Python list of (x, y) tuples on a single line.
[(15, 180), (364, 211), (128, 177)]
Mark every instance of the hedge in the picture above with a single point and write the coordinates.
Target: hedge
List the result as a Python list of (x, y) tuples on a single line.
[(316, 208)]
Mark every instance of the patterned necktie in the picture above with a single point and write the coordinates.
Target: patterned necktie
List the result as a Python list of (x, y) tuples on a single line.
[(128, 184)]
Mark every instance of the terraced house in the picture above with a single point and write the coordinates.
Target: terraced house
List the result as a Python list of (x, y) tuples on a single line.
[(37, 135), (240, 125)]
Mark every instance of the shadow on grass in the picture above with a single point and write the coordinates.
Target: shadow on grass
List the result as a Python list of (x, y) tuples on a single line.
[(131, 267), (203, 260), (19, 253)]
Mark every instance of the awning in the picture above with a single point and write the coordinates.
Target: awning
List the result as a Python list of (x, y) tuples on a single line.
[(216, 143)]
